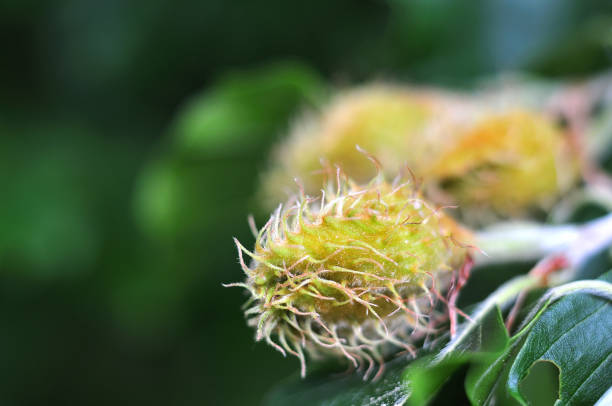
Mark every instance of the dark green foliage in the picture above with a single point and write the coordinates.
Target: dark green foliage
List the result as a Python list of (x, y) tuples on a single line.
[(574, 334)]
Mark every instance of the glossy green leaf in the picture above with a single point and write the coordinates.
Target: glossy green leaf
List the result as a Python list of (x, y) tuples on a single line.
[(574, 334), (561, 330)]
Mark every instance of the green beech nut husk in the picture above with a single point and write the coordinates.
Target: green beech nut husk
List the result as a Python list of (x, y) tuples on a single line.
[(353, 273)]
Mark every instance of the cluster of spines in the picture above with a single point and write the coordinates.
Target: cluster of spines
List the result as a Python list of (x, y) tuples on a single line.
[(316, 305)]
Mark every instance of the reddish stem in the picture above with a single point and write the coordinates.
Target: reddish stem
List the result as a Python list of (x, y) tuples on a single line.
[(458, 284)]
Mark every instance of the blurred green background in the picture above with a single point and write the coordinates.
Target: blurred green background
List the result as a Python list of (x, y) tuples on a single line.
[(131, 135)]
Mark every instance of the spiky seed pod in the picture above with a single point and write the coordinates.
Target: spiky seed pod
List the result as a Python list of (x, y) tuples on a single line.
[(388, 121), (351, 273), (508, 162)]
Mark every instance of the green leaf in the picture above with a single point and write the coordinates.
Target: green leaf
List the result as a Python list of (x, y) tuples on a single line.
[(550, 334), (483, 374), (424, 378), (574, 334), (482, 382)]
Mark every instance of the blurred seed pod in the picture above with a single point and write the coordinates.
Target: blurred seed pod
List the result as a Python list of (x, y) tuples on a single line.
[(506, 162), (477, 153), (390, 122), (352, 273)]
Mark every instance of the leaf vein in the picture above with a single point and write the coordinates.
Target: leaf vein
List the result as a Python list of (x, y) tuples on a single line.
[(568, 331), (589, 376)]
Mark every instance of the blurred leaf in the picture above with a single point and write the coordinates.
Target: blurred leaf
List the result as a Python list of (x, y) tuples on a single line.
[(203, 180), (62, 184), (245, 109), (582, 48), (483, 378), (183, 198), (425, 379), (484, 342), (46, 219)]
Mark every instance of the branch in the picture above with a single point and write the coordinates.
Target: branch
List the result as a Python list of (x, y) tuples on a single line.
[(506, 242)]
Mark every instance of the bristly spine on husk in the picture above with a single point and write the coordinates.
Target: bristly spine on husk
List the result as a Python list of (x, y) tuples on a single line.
[(351, 273)]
